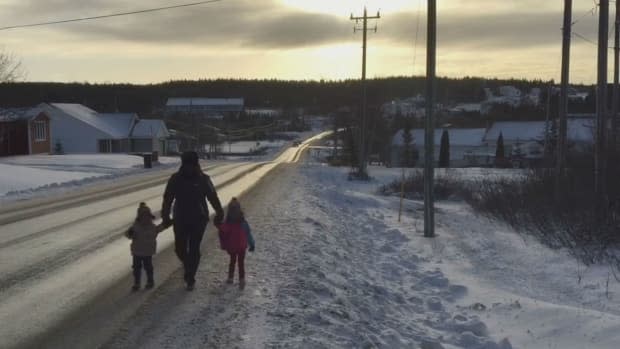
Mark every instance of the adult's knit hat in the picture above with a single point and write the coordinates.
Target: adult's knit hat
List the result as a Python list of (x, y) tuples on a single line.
[(189, 158)]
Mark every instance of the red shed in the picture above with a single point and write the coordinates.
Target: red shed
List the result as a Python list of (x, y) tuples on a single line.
[(24, 132)]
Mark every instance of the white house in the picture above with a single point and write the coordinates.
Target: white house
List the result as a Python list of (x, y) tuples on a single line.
[(510, 91), (213, 108), (509, 95), (529, 136), (264, 112), (534, 97), (465, 144), (408, 107), (149, 135), (471, 108), (79, 129)]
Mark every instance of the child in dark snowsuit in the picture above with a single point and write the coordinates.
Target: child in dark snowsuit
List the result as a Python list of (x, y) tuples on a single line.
[(235, 237), (143, 235)]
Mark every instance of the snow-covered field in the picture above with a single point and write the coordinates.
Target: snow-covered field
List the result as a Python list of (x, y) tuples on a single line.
[(334, 268), (24, 176)]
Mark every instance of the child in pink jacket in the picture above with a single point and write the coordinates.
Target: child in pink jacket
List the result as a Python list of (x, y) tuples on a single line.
[(235, 238)]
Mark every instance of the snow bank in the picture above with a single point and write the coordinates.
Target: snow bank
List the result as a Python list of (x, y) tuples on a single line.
[(15, 179), (36, 175), (372, 281), (358, 283)]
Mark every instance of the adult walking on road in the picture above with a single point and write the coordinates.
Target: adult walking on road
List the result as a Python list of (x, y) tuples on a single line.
[(188, 188)]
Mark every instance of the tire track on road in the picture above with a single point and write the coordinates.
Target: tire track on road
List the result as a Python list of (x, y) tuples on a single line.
[(75, 252), (70, 223)]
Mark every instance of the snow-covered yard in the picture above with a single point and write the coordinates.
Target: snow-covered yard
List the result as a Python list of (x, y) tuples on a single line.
[(334, 268), (25, 175)]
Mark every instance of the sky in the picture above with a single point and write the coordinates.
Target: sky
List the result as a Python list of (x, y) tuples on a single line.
[(294, 39)]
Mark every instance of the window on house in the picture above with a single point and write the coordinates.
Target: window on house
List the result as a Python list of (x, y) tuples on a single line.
[(40, 131)]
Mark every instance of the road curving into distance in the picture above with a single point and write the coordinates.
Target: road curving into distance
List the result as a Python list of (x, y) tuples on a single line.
[(66, 264)]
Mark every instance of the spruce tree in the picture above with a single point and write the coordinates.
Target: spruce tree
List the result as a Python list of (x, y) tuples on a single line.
[(500, 151), (407, 145), (444, 150)]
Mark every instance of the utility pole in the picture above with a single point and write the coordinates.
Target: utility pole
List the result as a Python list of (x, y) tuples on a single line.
[(561, 146), (363, 146), (429, 141), (615, 95), (600, 156)]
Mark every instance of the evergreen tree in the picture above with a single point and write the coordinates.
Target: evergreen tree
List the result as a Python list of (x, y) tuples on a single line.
[(407, 146), (500, 151), (444, 150)]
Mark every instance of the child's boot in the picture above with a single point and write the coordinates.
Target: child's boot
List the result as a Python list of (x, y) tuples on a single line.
[(242, 283), (135, 287)]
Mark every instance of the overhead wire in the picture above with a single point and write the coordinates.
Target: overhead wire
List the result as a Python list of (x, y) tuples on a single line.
[(118, 14)]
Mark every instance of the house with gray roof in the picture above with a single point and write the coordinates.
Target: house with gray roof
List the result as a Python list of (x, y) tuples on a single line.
[(79, 129), (210, 108)]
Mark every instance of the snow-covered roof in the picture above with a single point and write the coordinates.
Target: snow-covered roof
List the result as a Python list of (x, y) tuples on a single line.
[(458, 136), (578, 130), (12, 114), (516, 130), (581, 130), (468, 108), (116, 125), (199, 101), (148, 128)]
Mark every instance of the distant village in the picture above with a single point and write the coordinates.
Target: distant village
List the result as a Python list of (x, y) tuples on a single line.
[(527, 143), (205, 124)]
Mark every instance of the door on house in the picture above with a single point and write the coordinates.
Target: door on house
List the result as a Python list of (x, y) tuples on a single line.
[(4, 142), (13, 139), (105, 146)]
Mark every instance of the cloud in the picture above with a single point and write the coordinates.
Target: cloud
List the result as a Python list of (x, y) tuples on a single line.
[(267, 24), (492, 31), (257, 24)]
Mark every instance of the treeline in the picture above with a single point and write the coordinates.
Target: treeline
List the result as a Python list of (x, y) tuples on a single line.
[(317, 96)]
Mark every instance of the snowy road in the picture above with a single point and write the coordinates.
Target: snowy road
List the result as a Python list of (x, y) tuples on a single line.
[(54, 264), (333, 268)]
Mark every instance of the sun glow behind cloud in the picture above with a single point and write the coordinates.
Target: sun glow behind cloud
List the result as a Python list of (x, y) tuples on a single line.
[(295, 39)]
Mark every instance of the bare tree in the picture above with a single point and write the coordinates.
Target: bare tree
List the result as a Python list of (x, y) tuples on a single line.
[(10, 67)]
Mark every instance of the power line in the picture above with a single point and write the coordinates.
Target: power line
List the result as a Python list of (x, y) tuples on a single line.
[(588, 40), (590, 12), (81, 19)]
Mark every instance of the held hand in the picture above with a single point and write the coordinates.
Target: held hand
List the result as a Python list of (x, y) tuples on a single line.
[(252, 248), (219, 218), (166, 221)]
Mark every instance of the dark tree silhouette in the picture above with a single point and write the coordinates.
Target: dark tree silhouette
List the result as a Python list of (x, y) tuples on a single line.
[(407, 160), (444, 150), (500, 152), (10, 68)]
